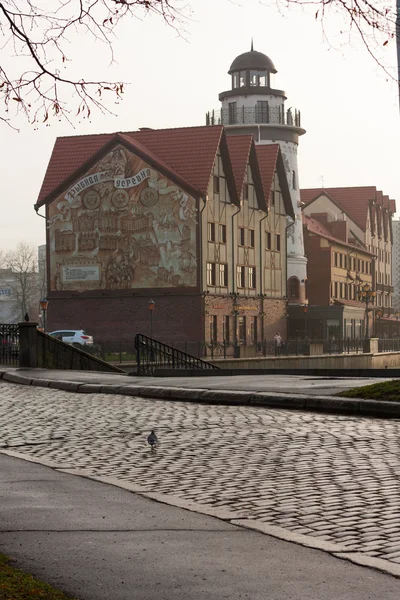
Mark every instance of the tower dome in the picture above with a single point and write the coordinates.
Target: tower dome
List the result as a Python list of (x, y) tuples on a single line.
[(252, 60)]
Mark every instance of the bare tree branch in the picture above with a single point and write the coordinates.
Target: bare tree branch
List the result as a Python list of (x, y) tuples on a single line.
[(37, 37)]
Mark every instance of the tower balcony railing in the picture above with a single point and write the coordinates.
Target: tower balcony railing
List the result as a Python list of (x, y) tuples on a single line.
[(251, 115)]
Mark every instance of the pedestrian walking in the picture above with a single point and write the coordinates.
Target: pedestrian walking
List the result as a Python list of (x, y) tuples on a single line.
[(278, 344)]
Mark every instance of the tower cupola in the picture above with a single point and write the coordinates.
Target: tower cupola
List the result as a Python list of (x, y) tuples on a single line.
[(252, 69)]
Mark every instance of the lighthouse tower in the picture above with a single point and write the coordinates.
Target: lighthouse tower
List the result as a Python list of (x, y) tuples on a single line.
[(253, 105)]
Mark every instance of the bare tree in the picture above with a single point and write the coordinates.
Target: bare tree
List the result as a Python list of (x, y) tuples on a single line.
[(36, 34), (19, 273), (374, 22)]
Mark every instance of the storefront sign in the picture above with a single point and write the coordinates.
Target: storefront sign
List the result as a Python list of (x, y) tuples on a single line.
[(73, 273)]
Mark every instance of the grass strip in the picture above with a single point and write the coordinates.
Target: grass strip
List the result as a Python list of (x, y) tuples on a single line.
[(386, 390), (17, 585)]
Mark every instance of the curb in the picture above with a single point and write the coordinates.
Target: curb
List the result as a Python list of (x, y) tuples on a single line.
[(237, 519), (327, 404)]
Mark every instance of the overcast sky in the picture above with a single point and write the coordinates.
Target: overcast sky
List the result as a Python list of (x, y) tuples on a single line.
[(349, 107)]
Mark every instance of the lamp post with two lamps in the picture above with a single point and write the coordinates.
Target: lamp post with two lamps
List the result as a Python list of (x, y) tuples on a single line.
[(43, 307), (366, 295)]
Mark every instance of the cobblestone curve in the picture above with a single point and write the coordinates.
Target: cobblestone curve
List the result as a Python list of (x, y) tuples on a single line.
[(333, 477)]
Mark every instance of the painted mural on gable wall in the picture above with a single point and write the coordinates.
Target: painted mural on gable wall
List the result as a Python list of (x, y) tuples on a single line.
[(122, 226)]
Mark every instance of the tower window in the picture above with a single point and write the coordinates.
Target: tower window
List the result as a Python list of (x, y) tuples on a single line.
[(242, 78), (235, 80), (294, 182), (254, 78)]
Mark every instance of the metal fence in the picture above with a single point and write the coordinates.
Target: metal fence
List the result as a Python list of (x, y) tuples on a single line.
[(9, 345), (386, 345), (153, 355)]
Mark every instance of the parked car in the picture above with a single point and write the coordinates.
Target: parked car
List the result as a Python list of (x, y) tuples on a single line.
[(75, 337)]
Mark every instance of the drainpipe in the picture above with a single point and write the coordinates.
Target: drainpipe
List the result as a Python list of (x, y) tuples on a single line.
[(204, 198), (234, 284), (286, 275), (286, 254), (262, 278), (233, 250)]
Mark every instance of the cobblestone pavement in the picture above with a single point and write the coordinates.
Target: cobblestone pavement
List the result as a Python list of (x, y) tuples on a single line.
[(336, 478)]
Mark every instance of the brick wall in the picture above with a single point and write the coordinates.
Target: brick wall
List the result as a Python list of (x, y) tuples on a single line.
[(175, 318)]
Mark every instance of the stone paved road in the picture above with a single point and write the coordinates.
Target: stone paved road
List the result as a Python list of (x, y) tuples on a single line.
[(336, 478)]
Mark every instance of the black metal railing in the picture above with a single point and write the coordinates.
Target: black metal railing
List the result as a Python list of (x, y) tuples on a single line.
[(9, 345), (152, 355), (249, 115), (389, 345)]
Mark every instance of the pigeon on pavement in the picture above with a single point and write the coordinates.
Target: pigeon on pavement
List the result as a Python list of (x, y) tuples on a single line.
[(152, 439)]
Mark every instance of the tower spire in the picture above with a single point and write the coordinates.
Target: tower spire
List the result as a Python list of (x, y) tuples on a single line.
[(252, 45)]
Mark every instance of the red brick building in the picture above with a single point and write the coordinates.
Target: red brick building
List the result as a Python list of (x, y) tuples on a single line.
[(348, 242), (186, 217)]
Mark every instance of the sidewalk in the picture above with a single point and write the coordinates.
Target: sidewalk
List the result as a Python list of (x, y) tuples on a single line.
[(314, 393), (96, 541)]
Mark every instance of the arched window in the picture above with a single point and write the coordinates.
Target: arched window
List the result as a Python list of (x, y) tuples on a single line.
[(294, 287)]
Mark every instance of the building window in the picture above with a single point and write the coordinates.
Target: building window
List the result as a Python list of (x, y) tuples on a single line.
[(216, 184), (294, 290), (226, 329), (223, 275), (210, 273), (214, 328), (252, 238), (335, 289), (222, 234), (252, 277), (269, 245), (340, 260), (362, 266), (246, 191), (241, 236), (232, 113), (211, 232), (294, 182), (240, 277), (242, 78), (272, 198), (242, 330), (278, 242)]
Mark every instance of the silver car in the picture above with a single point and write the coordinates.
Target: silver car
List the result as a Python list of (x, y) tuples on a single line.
[(75, 337)]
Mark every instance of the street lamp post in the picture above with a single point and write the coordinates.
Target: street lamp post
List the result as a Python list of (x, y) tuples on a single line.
[(43, 307), (379, 314), (152, 306), (366, 295)]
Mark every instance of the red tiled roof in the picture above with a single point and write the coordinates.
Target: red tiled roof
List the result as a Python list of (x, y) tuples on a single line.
[(189, 152), (318, 228), (353, 200), (392, 206), (267, 155), (69, 154), (239, 150)]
